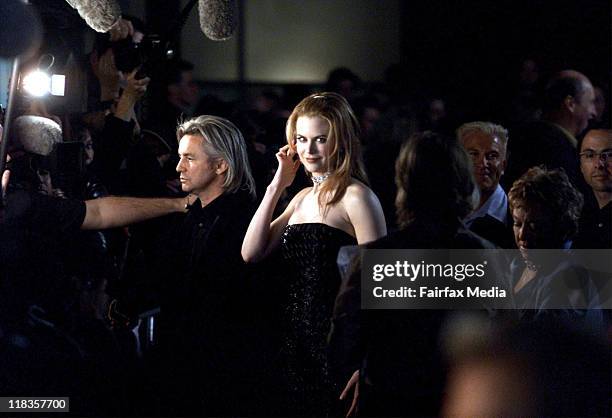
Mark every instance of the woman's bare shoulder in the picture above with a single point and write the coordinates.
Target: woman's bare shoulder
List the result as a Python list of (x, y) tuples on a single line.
[(358, 192), (364, 212)]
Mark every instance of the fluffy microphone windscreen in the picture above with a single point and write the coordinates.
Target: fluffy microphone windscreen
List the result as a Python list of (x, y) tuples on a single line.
[(36, 134), (20, 28), (100, 15), (218, 18)]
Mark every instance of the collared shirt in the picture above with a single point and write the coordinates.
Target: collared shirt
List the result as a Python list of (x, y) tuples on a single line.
[(495, 206)]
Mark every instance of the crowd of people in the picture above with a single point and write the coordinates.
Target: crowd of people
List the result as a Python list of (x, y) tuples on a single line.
[(167, 253)]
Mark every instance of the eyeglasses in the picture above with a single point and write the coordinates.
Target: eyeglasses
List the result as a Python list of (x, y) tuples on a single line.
[(591, 156)]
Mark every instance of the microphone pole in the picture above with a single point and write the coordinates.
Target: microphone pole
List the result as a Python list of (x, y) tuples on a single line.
[(8, 121), (182, 17), (174, 30)]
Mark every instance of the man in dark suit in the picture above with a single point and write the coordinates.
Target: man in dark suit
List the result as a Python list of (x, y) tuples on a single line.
[(568, 105), (206, 325)]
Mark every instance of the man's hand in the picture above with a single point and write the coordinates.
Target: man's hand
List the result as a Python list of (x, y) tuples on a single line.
[(108, 75), (133, 91), (136, 87), (121, 30)]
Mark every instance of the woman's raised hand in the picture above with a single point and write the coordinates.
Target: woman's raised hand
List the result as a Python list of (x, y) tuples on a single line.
[(288, 164), (352, 384)]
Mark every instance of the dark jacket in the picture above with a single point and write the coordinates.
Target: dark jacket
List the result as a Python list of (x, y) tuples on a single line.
[(206, 322), (198, 263), (494, 231), (35, 230), (397, 350), (542, 143), (595, 230)]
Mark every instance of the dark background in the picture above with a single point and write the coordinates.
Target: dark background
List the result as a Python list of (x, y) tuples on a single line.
[(472, 50), (467, 52)]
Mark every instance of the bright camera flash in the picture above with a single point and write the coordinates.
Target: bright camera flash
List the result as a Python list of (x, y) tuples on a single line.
[(37, 83), (57, 84)]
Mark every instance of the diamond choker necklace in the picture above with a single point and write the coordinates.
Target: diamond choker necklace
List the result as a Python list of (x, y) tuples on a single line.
[(319, 179)]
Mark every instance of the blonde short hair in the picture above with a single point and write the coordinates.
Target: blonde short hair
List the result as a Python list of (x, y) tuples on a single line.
[(488, 128), (223, 140)]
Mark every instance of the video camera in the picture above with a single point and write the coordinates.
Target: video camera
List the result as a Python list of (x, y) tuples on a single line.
[(147, 54)]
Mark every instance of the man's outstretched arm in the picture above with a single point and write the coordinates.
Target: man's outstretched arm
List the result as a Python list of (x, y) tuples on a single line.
[(112, 212)]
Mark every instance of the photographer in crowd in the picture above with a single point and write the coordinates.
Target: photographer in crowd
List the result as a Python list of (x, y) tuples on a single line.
[(192, 329), (51, 334)]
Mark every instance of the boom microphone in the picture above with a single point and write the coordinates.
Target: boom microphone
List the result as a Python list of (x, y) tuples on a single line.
[(100, 15), (218, 18), (36, 134)]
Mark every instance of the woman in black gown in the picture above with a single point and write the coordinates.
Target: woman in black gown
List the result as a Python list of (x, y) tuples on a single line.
[(339, 209)]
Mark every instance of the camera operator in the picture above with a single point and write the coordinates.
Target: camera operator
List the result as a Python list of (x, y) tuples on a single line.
[(176, 95), (31, 214), (115, 90), (151, 162), (115, 55), (45, 348)]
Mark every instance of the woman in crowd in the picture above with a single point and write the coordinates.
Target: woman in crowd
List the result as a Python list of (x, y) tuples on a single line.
[(400, 371), (545, 211), (339, 209)]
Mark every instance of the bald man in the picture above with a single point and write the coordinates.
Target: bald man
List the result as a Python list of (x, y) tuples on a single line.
[(568, 105), (596, 166), (569, 102)]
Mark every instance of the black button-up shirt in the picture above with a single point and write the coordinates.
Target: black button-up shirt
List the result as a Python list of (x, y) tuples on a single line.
[(595, 230), (197, 260)]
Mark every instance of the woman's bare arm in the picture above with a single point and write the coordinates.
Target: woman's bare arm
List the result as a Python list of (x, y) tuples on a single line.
[(263, 235), (365, 213)]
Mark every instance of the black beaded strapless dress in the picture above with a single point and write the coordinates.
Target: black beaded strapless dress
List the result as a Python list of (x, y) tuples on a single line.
[(310, 250)]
